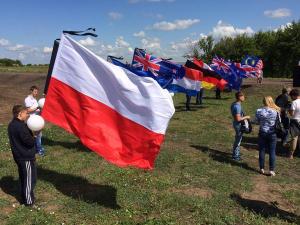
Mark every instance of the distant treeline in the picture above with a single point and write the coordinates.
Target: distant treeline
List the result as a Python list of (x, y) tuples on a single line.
[(16, 63), (279, 49)]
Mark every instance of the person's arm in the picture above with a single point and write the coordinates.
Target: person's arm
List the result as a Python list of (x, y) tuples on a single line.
[(239, 118)]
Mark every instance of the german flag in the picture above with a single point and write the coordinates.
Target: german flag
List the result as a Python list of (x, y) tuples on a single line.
[(210, 78)]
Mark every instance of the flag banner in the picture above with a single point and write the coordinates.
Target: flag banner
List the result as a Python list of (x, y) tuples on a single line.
[(184, 79), (143, 61), (229, 72), (252, 65), (210, 78), (120, 116), (162, 80)]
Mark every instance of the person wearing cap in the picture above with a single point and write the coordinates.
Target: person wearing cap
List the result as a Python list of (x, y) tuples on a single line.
[(237, 115), (23, 150)]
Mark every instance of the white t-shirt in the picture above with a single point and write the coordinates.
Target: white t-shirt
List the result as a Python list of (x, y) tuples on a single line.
[(32, 103), (296, 108)]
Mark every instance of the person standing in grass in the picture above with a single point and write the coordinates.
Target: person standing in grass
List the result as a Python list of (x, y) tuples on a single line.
[(238, 115), (33, 108), (295, 119), (267, 139), (23, 149)]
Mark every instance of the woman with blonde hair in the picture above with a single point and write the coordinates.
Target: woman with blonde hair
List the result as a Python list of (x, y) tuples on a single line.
[(266, 116)]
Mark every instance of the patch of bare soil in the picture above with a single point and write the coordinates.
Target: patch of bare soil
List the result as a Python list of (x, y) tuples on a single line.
[(193, 191), (14, 88), (269, 193)]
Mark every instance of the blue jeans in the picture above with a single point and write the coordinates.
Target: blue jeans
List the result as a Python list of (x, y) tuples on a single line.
[(38, 144), (236, 155), (267, 142)]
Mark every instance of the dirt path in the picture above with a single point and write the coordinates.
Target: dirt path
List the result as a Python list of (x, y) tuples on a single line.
[(14, 88)]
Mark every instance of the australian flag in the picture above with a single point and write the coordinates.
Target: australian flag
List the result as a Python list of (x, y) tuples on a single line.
[(229, 72), (158, 66)]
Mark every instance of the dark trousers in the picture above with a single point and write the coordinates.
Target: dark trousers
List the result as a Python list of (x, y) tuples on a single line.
[(199, 97), (267, 142), (27, 177), (188, 101)]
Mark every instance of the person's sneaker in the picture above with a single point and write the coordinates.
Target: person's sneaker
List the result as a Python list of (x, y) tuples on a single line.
[(272, 173), (262, 171)]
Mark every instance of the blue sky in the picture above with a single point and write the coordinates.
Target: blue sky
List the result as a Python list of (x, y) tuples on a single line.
[(165, 27)]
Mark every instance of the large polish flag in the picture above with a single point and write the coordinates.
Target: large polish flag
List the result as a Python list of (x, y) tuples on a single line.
[(120, 116)]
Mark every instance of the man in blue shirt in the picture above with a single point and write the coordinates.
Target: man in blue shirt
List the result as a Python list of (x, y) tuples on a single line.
[(238, 116)]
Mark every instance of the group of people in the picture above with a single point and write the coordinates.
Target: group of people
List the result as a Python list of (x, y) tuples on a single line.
[(281, 111), (25, 144)]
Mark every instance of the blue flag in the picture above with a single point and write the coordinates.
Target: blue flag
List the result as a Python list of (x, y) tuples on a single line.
[(229, 72), (162, 80)]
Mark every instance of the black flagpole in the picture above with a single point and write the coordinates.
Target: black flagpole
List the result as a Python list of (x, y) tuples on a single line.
[(52, 61)]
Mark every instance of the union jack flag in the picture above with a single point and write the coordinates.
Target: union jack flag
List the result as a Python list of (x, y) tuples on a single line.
[(220, 64), (158, 66), (145, 62)]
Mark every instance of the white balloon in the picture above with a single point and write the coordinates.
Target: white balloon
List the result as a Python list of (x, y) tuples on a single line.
[(35, 123), (41, 102)]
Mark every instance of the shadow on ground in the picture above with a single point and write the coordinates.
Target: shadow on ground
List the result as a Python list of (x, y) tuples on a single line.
[(11, 187), (66, 144), (80, 188), (223, 157), (265, 209), (193, 107), (69, 185)]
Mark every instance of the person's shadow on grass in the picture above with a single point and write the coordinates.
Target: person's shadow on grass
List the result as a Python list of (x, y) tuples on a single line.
[(265, 209), (223, 157), (80, 188), (11, 187), (66, 144)]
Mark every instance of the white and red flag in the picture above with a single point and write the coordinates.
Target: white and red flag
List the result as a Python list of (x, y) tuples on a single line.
[(120, 116)]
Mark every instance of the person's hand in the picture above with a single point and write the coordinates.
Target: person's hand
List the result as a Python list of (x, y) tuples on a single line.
[(247, 117)]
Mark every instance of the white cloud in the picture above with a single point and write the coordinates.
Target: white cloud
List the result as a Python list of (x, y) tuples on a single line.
[(139, 34), (17, 47), (283, 27), (21, 56), (4, 42), (175, 25), (87, 42), (227, 30), (151, 43), (47, 50), (278, 13), (115, 15), (121, 43)]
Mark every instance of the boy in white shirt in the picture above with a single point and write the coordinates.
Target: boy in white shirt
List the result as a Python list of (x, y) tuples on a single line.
[(295, 115), (33, 108)]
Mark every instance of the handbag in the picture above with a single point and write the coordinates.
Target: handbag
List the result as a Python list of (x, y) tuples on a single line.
[(279, 127), (246, 126)]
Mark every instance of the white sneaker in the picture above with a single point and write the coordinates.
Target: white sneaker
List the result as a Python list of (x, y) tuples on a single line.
[(272, 173), (262, 171)]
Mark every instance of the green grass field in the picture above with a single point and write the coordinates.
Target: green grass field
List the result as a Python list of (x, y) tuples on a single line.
[(194, 181)]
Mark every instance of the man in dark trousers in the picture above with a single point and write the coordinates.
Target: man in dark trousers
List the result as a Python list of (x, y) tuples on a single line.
[(23, 150)]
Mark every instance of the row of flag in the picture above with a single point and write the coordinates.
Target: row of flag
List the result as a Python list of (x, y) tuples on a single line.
[(121, 111), (194, 75)]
